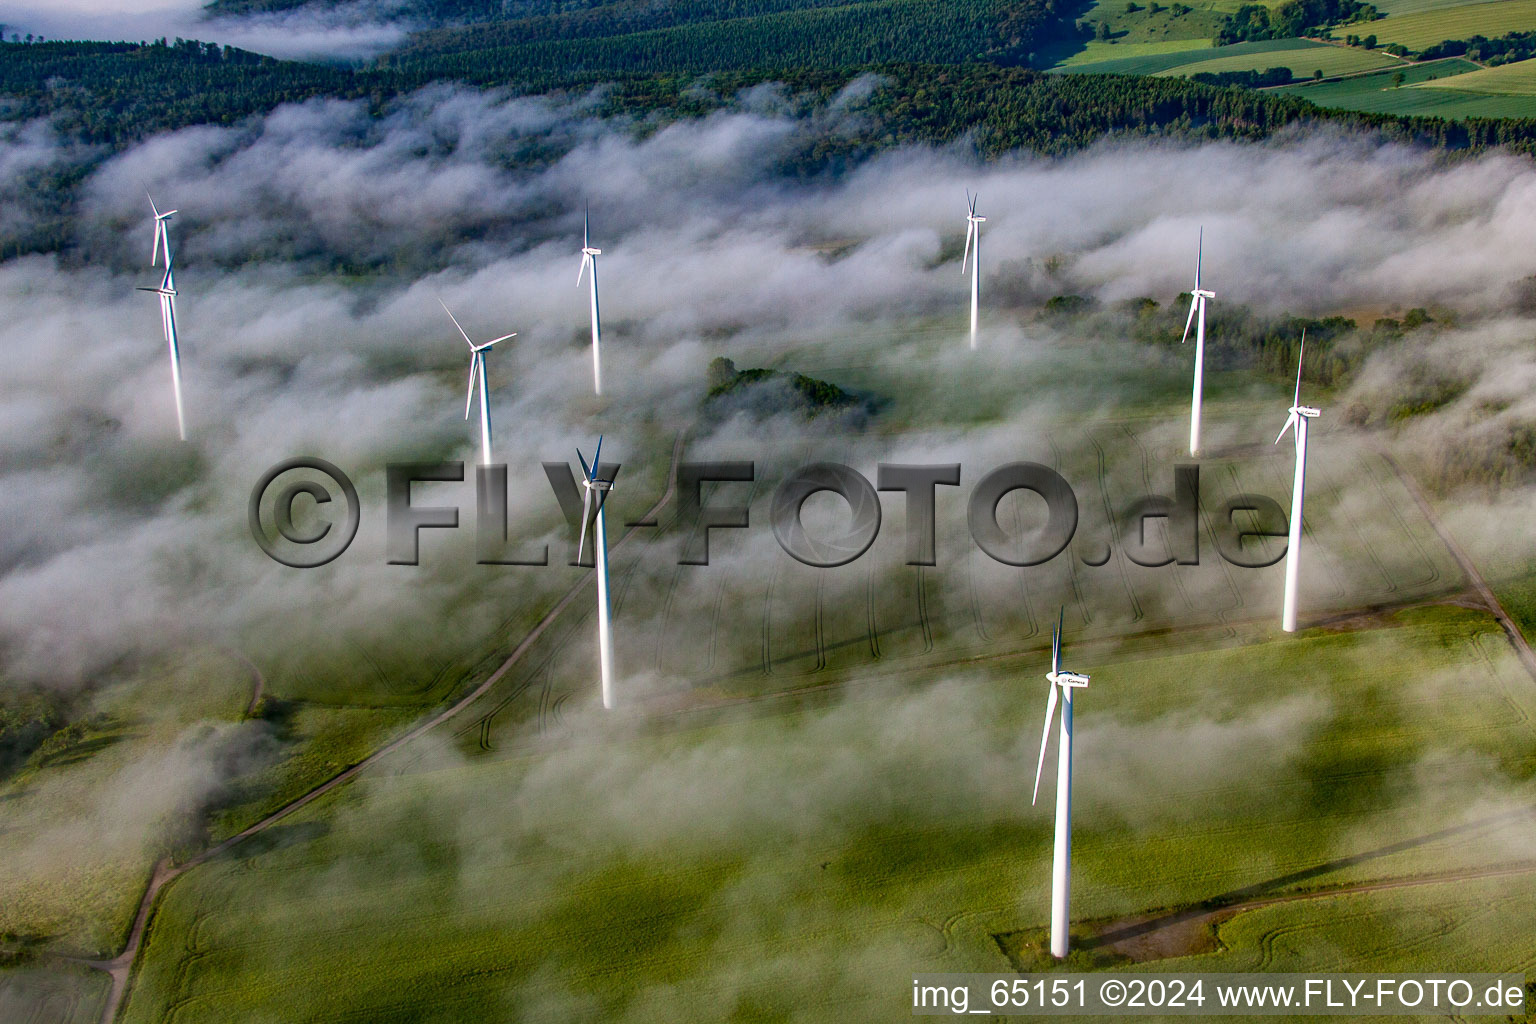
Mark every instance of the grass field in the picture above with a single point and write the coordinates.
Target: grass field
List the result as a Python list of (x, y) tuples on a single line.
[(55, 994), (1426, 89), (95, 792), (1097, 52), (1401, 7), (782, 862), (1141, 33), (1302, 56), (1427, 27), (1517, 79)]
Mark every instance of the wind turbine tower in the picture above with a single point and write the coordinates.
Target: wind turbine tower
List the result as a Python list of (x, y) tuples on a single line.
[(1296, 421), (1197, 307), (477, 376), (973, 242), (593, 489), (167, 293), (1062, 684), (589, 257)]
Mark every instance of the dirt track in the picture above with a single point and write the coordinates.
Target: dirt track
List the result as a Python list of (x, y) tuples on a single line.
[(1516, 638)]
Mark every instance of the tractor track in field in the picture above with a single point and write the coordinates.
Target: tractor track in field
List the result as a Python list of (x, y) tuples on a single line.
[(1484, 591), (120, 967), (1192, 930)]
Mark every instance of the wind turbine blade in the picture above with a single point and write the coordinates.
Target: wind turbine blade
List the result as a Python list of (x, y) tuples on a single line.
[(586, 228), (587, 472), (1045, 736), (469, 399), (1194, 303), (1061, 615), (586, 258), (596, 456), (1199, 256), (456, 323), (1300, 355), (970, 229), (1290, 422), (504, 337), (586, 502)]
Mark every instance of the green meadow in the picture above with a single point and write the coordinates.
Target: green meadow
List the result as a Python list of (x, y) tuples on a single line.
[(1425, 88), (1302, 56), (1517, 79), (1425, 27), (741, 866)]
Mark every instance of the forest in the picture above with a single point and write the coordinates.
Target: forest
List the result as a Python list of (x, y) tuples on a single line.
[(104, 96)]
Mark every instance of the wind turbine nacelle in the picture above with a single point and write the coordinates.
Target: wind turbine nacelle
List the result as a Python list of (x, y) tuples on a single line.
[(1308, 411), (1202, 293), (1069, 679)]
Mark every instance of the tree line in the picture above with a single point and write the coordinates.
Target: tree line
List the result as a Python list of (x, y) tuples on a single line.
[(1291, 20)]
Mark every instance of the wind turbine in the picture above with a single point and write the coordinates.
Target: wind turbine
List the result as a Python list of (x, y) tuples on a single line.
[(589, 257), (167, 293), (1297, 421), (1197, 304), (1061, 864), (973, 234), (477, 375), (162, 236), (591, 485)]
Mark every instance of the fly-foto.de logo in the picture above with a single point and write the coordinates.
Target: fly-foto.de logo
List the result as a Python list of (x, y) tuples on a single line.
[(1249, 530)]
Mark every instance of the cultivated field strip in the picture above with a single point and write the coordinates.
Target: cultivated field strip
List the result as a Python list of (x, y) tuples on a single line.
[(424, 891)]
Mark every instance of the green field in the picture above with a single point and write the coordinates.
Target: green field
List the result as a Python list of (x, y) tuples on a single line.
[(52, 994), (1097, 52), (1155, 62), (1517, 79), (1140, 33), (1395, 8), (546, 882), (1426, 89), (1301, 56), (1427, 27)]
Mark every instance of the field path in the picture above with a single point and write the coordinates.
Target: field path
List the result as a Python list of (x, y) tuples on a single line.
[(1516, 638), (120, 967)]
